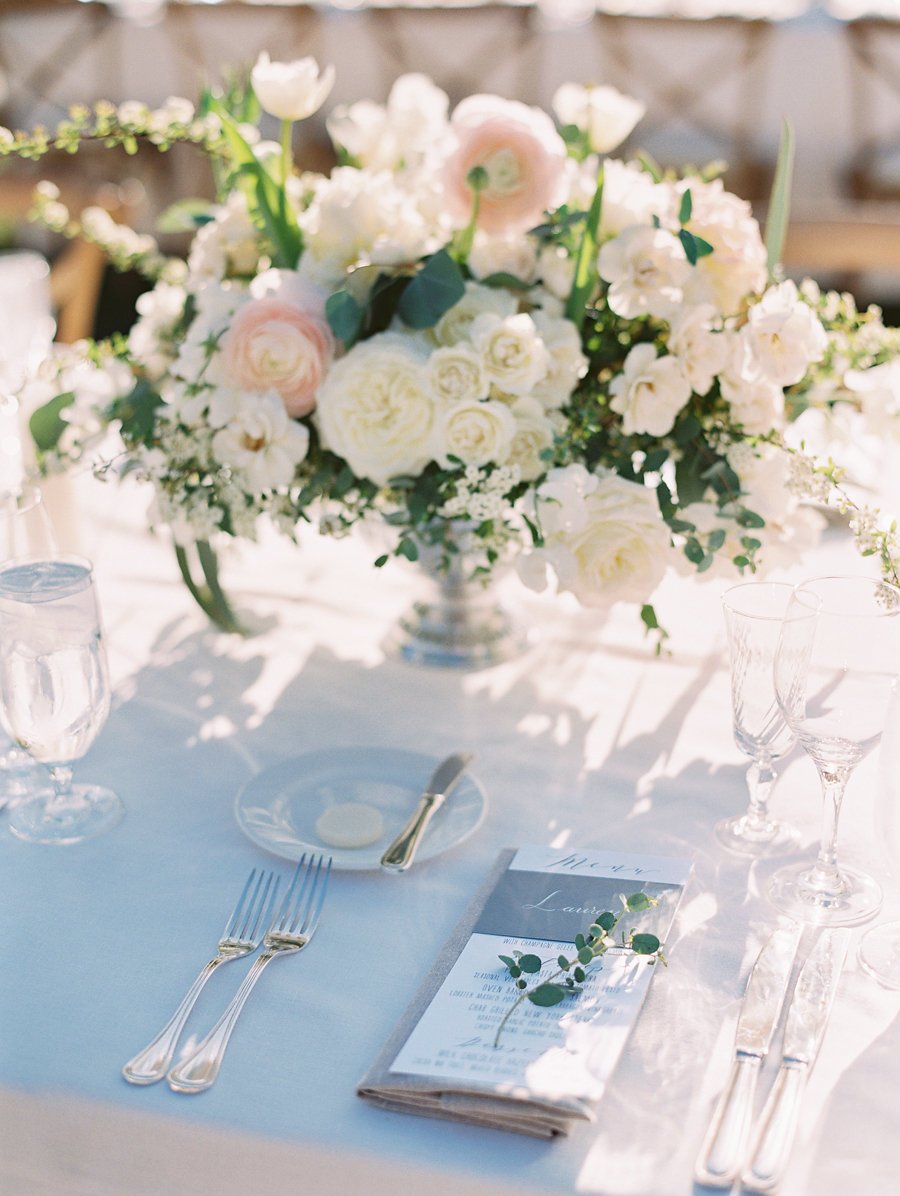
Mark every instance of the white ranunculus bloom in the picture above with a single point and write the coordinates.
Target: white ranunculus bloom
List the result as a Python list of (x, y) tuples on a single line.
[(291, 90), (515, 357), (756, 403), (455, 325), (702, 352), (604, 113), (412, 126), (619, 548), (476, 433), (375, 410), (455, 374), (649, 392), (567, 364), (647, 270), (262, 442), (533, 435), (783, 335)]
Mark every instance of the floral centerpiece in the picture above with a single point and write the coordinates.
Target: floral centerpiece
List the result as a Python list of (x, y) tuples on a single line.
[(477, 320)]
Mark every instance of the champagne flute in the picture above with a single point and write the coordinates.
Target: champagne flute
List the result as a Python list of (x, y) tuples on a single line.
[(54, 693), (25, 530), (753, 614), (837, 659)]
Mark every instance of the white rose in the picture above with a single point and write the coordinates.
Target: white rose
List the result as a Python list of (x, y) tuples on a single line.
[(455, 325), (474, 432), (262, 442), (620, 549), (560, 499), (455, 374), (291, 90), (647, 270), (374, 409), (515, 357), (702, 352), (737, 266), (605, 114), (784, 335), (533, 436), (566, 365), (649, 392)]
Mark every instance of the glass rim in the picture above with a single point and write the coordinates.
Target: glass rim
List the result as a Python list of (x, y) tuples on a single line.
[(806, 588), (789, 587), (64, 591)]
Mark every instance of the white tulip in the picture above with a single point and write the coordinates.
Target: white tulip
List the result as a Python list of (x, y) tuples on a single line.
[(291, 90)]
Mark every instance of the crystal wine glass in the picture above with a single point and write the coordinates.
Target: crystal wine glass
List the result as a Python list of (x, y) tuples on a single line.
[(25, 530), (837, 660), (753, 615), (54, 692)]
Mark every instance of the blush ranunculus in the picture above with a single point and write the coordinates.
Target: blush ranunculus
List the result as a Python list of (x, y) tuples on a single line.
[(521, 153), (273, 345)]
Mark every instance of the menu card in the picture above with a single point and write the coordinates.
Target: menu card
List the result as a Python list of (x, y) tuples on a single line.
[(549, 1066)]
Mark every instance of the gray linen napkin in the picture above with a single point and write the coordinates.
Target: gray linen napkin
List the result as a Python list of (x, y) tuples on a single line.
[(476, 1103)]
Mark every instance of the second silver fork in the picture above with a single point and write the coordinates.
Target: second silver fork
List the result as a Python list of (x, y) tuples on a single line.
[(291, 930), (240, 937)]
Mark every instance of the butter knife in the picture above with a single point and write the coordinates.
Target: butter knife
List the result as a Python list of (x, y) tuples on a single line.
[(806, 1022), (401, 852), (723, 1151)]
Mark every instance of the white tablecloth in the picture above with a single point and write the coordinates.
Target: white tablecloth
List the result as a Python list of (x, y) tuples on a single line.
[(586, 740)]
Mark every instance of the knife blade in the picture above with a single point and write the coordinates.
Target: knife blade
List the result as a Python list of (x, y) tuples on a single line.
[(807, 1020), (400, 854), (723, 1151)]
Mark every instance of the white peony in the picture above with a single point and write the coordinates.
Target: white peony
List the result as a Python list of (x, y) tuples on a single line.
[(737, 265), (291, 90), (456, 374), (375, 410), (262, 442), (515, 357), (647, 269), (783, 335), (475, 433), (605, 114), (503, 253), (649, 392)]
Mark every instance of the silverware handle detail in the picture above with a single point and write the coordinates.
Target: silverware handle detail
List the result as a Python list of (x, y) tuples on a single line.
[(152, 1063), (723, 1151), (399, 855), (199, 1070), (777, 1127)]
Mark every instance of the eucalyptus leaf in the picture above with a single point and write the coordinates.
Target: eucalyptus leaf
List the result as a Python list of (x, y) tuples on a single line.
[(344, 315), (530, 964), (432, 292), (547, 995), (46, 423), (644, 944)]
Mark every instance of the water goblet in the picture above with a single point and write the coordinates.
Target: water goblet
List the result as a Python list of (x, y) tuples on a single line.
[(837, 660), (54, 693), (753, 614), (25, 530), (879, 948)]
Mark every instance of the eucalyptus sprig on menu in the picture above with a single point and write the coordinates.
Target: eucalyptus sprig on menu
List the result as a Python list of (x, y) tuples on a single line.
[(570, 974)]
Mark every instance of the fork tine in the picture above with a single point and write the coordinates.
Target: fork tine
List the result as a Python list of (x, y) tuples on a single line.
[(265, 907), (293, 897), (314, 906), (238, 912)]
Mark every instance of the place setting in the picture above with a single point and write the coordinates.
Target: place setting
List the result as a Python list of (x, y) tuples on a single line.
[(562, 756)]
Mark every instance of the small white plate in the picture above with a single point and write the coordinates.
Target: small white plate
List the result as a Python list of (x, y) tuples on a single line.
[(278, 807)]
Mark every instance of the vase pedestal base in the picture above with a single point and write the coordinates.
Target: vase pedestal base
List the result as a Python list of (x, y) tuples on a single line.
[(456, 633)]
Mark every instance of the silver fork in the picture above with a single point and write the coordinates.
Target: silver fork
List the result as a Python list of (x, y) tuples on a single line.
[(291, 930), (240, 936)]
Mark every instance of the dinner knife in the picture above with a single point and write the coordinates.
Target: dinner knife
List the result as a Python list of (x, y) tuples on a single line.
[(723, 1151), (401, 852), (806, 1022)]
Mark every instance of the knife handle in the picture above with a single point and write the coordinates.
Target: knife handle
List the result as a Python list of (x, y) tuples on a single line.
[(399, 855), (777, 1127), (722, 1153)]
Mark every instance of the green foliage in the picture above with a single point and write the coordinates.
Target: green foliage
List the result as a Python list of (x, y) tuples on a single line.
[(780, 200), (46, 423), (432, 292), (589, 947)]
